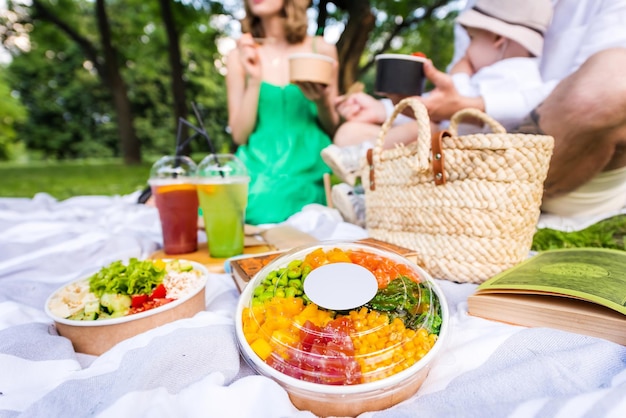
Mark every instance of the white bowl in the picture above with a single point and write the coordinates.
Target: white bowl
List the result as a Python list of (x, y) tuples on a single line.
[(344, 399), (98, 336)]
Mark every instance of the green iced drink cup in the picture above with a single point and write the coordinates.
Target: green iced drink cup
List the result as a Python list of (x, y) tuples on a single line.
[(223, 196)]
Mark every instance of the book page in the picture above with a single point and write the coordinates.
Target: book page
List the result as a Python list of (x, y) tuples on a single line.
[(582, 317), (594, 274)]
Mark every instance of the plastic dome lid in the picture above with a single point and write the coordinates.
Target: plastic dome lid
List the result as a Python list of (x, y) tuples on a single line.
[(339, 314), (222, 166), (173, 168)]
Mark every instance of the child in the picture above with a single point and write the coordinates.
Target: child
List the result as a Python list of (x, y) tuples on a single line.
[(506, 39)]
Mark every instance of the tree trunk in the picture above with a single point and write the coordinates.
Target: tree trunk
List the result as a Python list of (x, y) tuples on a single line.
[(351, 44), (178, 83), (129, 143), (108, 69)]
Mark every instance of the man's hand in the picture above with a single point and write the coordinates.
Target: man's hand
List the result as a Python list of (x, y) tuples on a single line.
[(444, 100), (361, 107)]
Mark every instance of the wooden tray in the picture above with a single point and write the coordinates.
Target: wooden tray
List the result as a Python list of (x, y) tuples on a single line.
[(215, 265)]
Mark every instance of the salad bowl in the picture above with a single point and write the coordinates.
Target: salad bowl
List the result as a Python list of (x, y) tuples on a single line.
[(344, 327), (96, 333)]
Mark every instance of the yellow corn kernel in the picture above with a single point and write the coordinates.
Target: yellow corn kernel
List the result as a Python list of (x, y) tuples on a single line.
[(422, 334)]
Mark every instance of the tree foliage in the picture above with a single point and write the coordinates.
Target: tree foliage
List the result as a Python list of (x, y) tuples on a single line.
[(12, 112), (165, 55), (374, 27)]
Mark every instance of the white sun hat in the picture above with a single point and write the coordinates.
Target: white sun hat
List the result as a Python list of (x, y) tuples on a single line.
[(522, 21)]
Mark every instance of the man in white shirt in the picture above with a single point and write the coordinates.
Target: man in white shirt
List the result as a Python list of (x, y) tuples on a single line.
[(506, 41), (583, 106)]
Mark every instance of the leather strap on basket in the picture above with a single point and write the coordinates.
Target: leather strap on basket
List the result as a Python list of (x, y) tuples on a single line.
[(424, 154), (438, 160), (370, 164)]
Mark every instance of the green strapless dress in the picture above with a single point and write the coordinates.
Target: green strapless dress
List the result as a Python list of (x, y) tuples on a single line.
[(283, 155)]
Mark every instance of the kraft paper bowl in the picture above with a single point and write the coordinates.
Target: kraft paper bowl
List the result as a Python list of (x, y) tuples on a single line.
[(314, 389), (97, 337), (316, 68)]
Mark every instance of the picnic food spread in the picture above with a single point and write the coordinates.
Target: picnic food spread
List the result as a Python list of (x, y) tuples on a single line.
[(121, 289), (191, 367)]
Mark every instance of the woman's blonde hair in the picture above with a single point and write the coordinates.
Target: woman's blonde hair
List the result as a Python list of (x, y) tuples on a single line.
[(296, 23)]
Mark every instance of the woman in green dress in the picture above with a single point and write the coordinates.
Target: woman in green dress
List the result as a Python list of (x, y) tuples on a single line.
[(280, 128)]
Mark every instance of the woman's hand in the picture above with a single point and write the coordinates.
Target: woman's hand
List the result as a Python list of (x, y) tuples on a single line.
[(316, 92), (249, 57), (243, 83)]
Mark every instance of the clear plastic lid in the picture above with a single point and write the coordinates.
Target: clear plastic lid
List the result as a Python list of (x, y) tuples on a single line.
[(173, 167), (364, 335), (222, 166)]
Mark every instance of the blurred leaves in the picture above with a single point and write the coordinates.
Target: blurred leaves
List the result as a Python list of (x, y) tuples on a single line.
[(60, 109), (11, 114)]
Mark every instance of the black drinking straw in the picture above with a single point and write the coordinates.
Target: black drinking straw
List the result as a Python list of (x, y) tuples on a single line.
[(179, 146), (204, 133), (178, 135), (198, 131)]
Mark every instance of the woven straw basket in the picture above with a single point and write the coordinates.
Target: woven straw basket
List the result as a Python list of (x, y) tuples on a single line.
[(468, 205)]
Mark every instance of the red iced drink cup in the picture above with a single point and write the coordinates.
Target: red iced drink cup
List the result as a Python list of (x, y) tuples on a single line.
[(172, 180)]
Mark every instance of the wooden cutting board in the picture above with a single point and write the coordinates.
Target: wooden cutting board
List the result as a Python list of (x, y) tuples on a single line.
[(282, 237), (215, 265)]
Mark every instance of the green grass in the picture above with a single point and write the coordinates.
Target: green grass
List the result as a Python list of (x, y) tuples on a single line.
[(111, 177), (608, 233), (72, 178)]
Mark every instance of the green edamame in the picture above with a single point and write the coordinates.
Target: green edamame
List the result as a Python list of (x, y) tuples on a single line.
[(283, 282)]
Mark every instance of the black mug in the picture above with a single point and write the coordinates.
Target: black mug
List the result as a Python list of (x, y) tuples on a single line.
[(399, 74)]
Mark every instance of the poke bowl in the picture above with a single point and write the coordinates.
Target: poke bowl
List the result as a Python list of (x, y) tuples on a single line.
[(344, 327), (123, 300)]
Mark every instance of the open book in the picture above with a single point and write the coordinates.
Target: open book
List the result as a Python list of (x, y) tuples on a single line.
[(580, 290)]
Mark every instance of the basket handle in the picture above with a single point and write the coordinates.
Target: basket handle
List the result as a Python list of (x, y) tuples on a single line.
[(469, 112), (423, 131), (426, 143)]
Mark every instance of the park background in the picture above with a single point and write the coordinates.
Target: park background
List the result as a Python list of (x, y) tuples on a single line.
[(91, 91)]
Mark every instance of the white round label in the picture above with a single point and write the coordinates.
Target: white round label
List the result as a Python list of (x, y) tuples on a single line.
[(340, 286)]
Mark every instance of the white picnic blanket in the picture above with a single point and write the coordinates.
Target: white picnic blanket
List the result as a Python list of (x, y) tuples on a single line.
[(192, 368)]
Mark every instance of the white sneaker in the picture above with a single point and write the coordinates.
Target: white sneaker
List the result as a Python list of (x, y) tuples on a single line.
[(345, 161), (349, 203)]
